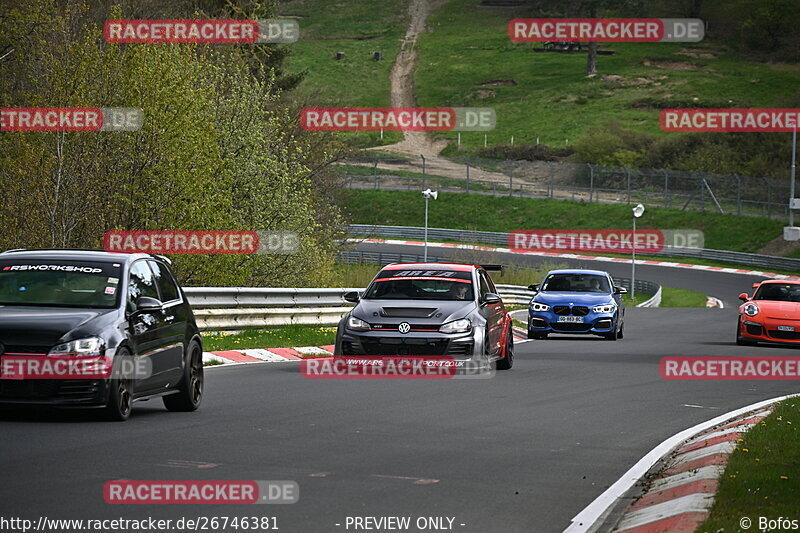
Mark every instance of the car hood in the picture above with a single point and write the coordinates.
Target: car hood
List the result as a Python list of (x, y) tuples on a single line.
[(416, 311), (44, 327), (573, 298), (780, 310)]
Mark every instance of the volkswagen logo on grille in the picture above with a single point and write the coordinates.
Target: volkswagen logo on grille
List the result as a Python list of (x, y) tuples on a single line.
[(404, 327)]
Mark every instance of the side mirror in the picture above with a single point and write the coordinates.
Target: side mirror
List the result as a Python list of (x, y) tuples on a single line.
[(351, 297), (533, 287), (491, 298), (145, 303), (743, 297), (620, 290)]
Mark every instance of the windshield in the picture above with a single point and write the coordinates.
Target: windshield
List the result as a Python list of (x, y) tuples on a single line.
[(779, 292), (421, 285), (576, 283), (59, 283)]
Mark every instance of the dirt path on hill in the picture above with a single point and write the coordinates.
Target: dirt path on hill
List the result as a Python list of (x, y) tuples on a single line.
[(402, 82)]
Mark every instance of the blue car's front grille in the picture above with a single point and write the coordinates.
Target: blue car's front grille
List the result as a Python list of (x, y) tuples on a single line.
[(570, 326), (564, 310)]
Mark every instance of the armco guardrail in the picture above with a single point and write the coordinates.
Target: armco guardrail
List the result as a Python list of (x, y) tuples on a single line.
[(219, 308), (501, 239)]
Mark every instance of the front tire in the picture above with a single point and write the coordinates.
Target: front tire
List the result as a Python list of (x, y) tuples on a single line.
[(120, 398), (741, 341), (190, 390), (508, 360)]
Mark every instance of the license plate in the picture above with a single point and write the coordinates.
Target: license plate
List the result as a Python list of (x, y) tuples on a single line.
[(785, 328), (570, 319)]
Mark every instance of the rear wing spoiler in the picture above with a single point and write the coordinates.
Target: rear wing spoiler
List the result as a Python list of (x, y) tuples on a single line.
[(492, 268)]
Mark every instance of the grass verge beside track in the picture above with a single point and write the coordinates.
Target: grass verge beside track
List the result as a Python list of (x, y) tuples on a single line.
[(270, 337), (672, 297), (505, 214), (762, 478)]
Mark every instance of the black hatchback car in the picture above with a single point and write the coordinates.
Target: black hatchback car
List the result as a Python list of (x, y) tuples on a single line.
[(96, 329)]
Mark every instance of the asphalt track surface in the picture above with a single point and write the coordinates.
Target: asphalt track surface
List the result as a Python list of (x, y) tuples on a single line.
[(522, 451)]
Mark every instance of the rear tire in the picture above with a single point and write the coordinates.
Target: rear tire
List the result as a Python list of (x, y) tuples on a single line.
[(508, 360), (190, 390)]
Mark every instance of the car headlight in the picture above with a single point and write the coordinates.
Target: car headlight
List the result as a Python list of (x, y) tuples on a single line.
[(536, 306), (456, 326), (357, 324), (607, 308), (87, 346), (751, 309)]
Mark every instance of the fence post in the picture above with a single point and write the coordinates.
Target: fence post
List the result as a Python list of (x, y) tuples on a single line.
[(494, 188), (769, 198), (510, 182), (591, 181), (702, 195), (552, 178), (467, 177), (628, 172), (738, 194), (666, 187)]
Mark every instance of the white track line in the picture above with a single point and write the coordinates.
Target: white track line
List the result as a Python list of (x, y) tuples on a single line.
[(599, 508)]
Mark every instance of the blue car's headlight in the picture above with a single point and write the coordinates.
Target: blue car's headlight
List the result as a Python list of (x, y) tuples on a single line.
[(607, 308), (540, 308)]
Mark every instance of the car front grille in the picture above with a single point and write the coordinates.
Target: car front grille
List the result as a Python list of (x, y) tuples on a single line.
[(564, 310), (42, 389), (28, 350), (785, 335), (570, 326), (374, 347)]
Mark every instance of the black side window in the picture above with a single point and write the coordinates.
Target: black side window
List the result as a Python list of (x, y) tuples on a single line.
[(490, 283), (142, 282), (166, 285), (484, 284)]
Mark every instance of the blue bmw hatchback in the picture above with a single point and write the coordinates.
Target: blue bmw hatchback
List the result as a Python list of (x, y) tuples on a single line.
[(576, 302)]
